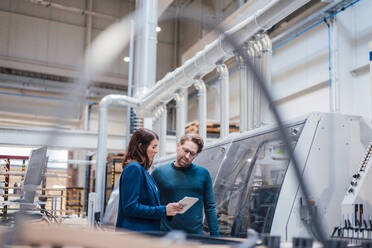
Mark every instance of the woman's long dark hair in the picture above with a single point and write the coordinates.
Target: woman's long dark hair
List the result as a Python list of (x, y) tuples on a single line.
[(137, 148)]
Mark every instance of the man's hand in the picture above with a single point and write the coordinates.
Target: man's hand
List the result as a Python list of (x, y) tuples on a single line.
[(173, 209)]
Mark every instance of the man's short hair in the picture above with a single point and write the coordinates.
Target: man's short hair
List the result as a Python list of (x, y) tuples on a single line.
[(193, 138)]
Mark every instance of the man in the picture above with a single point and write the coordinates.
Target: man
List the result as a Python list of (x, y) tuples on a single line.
[(183, 178)]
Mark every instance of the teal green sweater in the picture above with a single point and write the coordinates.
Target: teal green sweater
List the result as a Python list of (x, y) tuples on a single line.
[(175, 183)]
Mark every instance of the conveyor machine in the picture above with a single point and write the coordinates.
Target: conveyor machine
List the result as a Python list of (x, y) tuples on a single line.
[(255, 185)]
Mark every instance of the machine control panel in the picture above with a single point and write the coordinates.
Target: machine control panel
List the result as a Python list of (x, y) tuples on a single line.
[(356, 222)]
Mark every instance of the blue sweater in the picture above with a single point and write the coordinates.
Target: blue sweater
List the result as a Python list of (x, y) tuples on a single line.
[(194, 181), (139, 203)]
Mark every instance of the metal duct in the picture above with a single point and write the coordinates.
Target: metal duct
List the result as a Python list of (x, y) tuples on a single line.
[(203, 61), (257, 46), (102, 142), (159, 125), (318, 15), (146, 44), (180, 114), (130, 78), (370, 67), (334, 50), (163, 131), (155, 120), (88, 36), (185, 92), (202, 107), (266, 64), (224, 100), (164, 89), (250, 88), (243, 95)]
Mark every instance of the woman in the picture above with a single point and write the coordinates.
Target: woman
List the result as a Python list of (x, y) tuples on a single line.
[(139, 204)]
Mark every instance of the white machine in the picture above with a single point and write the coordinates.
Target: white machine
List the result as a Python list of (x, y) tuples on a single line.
[(356, 220), (255, 185)]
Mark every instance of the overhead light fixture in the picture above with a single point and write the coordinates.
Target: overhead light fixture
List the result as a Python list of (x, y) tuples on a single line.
[(158, 29), (126, 59)]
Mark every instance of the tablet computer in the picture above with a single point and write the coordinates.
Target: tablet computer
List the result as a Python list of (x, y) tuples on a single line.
[(187, 202)]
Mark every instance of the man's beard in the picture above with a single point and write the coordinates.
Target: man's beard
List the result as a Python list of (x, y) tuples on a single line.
[(183, 163)]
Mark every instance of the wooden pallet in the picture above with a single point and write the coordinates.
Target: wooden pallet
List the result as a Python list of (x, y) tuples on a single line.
[(212, 127)]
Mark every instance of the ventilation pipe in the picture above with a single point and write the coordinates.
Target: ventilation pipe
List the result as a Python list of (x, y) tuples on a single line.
[(202, 107), (243, 94), (88, 37), (250, 87), (165, 88), (257, 90), (163, 130), (224, 100), (215, 51), (159, 125), (180, 114), (266, 65), (155, 122), (308, 21), (102, 142), (130, 79), (146, 42), (334, 49), (155, 119), (370, 67), (185, 93)]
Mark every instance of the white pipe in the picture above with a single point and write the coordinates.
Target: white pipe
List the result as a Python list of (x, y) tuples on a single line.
[(72, 161), (155, 121), (176, 36), (130, 78), (156, 115), (88, 39), (88, 36), (180, 115), (185, 92), (146, 46), (266, 67), (71, 9), (219, 49), (101, 159), (164, 90), (159, 125), (370, 70), (257, 90), (102, 142), (318, 15), (224, 100), (202, 107), (334, 65), (163, 131), (243, 95), (251, 54)]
